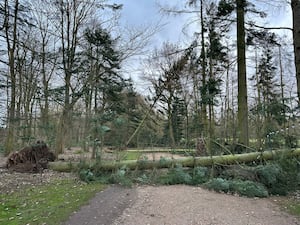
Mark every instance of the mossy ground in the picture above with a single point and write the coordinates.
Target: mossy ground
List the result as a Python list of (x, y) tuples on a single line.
[(49, 204)]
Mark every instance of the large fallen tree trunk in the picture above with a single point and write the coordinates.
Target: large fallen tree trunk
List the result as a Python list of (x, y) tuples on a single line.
[(185, 162)]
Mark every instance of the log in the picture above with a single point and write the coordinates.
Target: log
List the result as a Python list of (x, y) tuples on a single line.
[(185, 162)]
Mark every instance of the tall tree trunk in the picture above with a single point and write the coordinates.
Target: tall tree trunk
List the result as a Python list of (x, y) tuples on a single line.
[(170, 122), (11, 49), (296, 37), (203, 68), (242, 77), (259, 126)]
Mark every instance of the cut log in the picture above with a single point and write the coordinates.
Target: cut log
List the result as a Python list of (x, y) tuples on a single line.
[(185, 162)]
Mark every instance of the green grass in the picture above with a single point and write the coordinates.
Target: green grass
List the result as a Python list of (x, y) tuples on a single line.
[(49, 204), (293, 207), (126, 155)]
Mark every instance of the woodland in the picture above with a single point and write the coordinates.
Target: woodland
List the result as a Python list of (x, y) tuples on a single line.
[(235, 87)]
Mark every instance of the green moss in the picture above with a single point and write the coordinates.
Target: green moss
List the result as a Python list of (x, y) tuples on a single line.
[(49, 204)]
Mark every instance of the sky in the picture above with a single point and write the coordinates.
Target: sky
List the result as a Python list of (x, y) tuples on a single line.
[(146, 12), (141, 13)]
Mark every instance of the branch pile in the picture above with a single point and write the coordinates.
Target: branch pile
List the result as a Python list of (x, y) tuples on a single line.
[(30, 159)]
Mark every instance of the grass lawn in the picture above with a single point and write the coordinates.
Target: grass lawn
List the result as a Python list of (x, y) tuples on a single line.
[(49, 204), (293, 207)]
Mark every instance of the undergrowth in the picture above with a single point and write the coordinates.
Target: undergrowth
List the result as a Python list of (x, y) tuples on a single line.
[(278, 177), (244, 188)]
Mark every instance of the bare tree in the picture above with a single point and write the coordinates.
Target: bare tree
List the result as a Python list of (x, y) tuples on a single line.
[(72, 17), (10, 33)]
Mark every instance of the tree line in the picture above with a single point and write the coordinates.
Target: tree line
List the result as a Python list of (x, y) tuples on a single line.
[(62, 81)]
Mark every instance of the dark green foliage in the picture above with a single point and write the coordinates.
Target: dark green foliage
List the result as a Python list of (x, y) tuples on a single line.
[(178, 116), (268, 174), (1, 149), (210, 90), (144, 179), (280, 177), (255, 37), (163, 161), (218, 184), (248, 188), (245, 188), (200, 175), (87, 175), (290, 141), (121, 177), (176, 175), (225, 8)]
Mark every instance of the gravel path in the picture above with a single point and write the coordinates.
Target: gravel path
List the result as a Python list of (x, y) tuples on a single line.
[(177, 205), (185, 205)]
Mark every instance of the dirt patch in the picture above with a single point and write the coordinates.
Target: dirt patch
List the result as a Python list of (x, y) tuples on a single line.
[(11, 181), (179, 204)]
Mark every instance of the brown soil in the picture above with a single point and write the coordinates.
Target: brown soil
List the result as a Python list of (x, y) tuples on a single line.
[(12, 181)]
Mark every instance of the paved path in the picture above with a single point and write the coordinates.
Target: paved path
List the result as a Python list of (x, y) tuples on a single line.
[(105, 207)]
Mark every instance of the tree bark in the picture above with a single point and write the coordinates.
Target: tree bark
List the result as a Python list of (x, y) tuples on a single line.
[(203, 70), (185, 162), (242, 77), (11, 49), (296, 38)]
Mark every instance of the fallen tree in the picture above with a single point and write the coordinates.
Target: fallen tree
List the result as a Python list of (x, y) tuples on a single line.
[(30, 159), (185, 162)]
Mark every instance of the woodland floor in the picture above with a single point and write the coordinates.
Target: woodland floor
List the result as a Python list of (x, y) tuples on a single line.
[(155, 205)]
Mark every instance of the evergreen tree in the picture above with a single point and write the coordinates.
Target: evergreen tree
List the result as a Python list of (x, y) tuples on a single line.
[(271, 106)]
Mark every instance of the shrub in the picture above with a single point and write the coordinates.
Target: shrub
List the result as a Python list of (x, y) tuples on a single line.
[(143, 179), (244, 188), (218, 184), (281, 176), (176, 175), (200, 175), (268, 174), (86, 175), (120, 177), (248, 188)]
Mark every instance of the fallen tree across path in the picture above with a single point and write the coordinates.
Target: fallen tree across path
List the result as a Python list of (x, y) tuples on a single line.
[(185, 162)]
